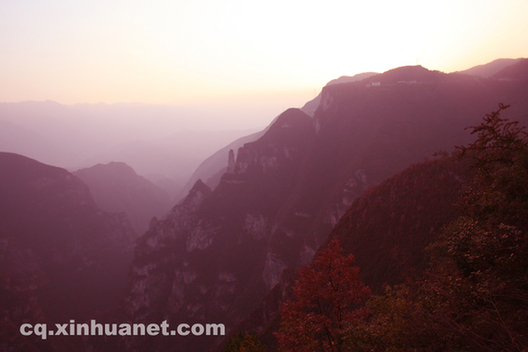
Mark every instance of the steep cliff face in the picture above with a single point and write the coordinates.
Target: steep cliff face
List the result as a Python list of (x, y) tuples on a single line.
[(214, 257), (369, 130), (61, 257), (205, 261), (386, 229), (390, 225), (377, 128), (212, 168)]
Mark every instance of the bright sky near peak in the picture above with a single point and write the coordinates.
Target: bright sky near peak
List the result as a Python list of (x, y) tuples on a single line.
[(178, 52)]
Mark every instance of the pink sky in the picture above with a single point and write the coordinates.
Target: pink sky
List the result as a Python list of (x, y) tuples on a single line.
[(180, 52)]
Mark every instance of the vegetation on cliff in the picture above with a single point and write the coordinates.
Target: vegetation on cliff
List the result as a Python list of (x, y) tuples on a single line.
[(471, 295)]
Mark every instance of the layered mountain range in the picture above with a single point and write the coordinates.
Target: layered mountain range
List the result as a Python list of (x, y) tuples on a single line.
[(228, 250), (386, 229), (117, 188), (163, 143), (219, 251), (212, 168)]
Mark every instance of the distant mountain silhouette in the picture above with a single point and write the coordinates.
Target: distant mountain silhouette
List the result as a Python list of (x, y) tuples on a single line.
[(219, 250), (517, 71), (117, 188), (165, 140), (489, 69), (11, 135), (355, 78)]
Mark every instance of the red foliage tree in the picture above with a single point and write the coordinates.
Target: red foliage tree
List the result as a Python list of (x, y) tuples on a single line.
[(324, 298)]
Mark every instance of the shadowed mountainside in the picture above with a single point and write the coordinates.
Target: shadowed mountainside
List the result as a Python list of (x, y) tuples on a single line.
[(212, 168), (61, 257), (206, 259), (117, 188), (386, 229), (219, 251)]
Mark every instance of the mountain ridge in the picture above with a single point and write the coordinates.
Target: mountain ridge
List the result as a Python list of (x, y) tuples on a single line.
[(61, 257), (279, 198), (489, 69), (387, 230), (221, 248), (116, 188)]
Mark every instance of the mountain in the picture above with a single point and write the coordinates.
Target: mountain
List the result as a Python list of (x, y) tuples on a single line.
[(117, 188), (489, 69), (390, 225), (310, 107), (61, 257), (517, 71), (173, 157), (212, 168), (220, 250), (229, 226), (11, 134), (153, 139), (386, 229), (216, 164)]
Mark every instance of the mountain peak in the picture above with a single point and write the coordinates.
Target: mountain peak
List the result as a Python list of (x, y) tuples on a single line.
[(491, 68), (519, 70), (116, 187), (416, 73), (290, 122), (199, 186), (348, 79), (114, 168)]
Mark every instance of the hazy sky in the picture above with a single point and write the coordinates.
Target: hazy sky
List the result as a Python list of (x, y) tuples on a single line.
[(208, 50)]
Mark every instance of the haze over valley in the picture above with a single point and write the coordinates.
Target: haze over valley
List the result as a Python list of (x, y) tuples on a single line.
[(263, 176), (162, 143), (259, 207)]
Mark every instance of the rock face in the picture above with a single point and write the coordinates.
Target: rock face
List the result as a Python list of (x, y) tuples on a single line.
[(207, 260), (214, 257), (212, 168), (386, 229), (310, 107), (117, 188), (61, 257)]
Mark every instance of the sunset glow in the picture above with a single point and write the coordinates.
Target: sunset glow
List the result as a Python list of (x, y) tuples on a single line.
[(194, 51)]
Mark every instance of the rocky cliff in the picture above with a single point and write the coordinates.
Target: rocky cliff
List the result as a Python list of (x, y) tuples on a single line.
[(219, 251), (386, 229), (207, 260)]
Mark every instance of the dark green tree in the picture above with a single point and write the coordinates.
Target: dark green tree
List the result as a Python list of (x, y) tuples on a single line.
[(474, 296)]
